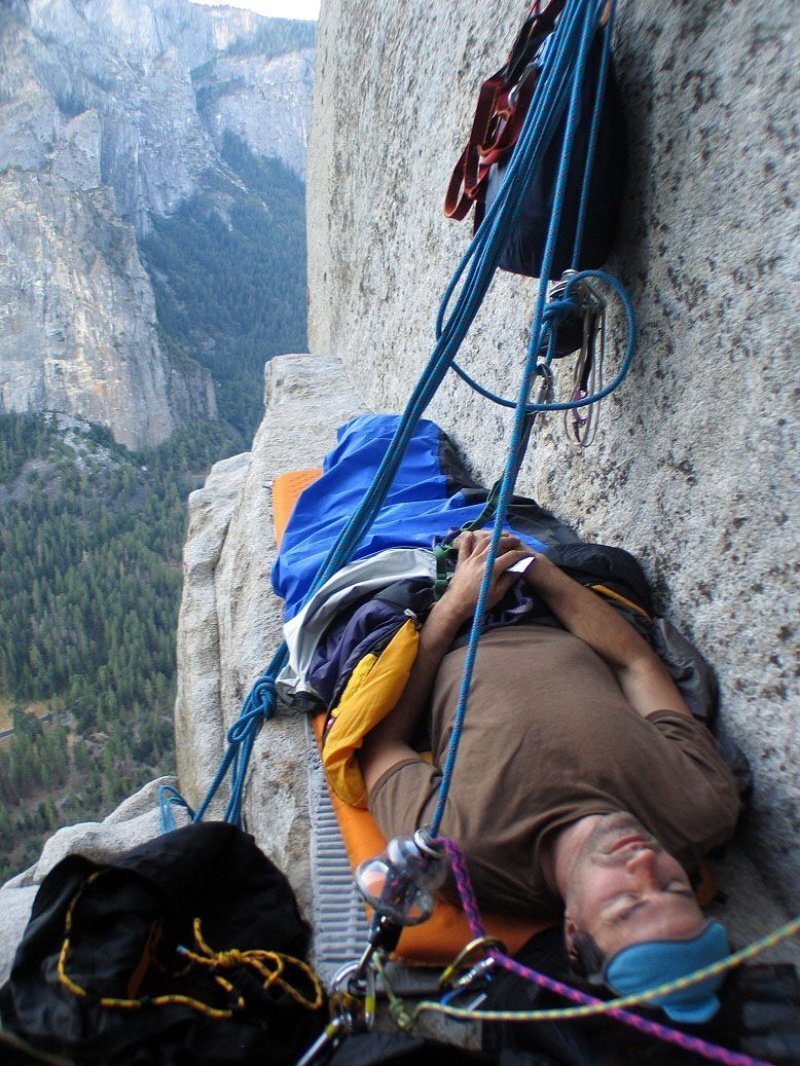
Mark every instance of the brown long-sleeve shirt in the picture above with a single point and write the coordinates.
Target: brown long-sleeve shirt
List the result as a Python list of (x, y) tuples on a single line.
[(549, 738)]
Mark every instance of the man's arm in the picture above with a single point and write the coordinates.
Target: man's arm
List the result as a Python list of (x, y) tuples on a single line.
[(643, 678), (388, 743)]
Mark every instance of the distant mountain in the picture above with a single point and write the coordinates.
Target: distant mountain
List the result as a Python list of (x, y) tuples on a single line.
[(115, 120)]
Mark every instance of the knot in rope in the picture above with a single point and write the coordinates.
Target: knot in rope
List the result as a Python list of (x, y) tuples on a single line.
[(558, 308), (264, 694), (259, 705), (271, 967)]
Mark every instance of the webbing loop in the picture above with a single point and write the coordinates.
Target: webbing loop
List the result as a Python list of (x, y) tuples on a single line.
[(442, 554)]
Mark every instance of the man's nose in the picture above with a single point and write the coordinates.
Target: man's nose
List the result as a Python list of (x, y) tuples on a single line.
[(642, 865)]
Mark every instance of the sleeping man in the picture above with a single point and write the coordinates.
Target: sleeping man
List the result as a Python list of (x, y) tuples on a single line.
[(582, 786)]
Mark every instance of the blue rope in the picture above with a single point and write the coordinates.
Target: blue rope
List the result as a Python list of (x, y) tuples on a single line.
[(545, 112), (584, 33), (553, 104), (169, 797), (559, 82), (554, 311), (480, 260), (600, 92), (258, 707)]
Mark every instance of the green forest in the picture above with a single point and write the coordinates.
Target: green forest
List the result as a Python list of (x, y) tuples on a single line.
[(90, 579), (91, 534)]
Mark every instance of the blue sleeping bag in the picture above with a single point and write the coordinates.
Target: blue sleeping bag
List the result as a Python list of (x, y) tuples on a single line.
[(431, 494)]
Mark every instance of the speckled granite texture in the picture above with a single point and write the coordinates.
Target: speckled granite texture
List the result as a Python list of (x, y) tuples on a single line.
[(695, 464)]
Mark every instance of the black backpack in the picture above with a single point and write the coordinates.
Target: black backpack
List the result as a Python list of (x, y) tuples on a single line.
[(187, 949)]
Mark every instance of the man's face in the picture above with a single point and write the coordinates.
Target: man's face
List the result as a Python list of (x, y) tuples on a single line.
[(624, 888)]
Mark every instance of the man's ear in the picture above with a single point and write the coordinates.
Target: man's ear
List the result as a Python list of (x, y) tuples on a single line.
[(570, 929)]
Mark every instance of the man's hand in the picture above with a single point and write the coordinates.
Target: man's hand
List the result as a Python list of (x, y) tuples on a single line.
[(473, 551), (388, 743)]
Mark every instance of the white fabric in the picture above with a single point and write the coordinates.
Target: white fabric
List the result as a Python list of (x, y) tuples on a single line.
[(354, 581)]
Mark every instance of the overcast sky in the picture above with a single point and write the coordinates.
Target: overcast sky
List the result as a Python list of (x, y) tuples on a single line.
[(287, 9)]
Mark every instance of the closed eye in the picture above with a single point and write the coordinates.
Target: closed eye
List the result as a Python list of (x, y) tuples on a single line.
[(627, 912), (676, 888)]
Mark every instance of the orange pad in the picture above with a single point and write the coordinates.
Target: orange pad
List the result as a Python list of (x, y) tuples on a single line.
[(437, 941), (285, 490)]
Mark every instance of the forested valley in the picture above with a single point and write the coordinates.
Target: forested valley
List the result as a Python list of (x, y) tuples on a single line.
[(90, 548), (91, 533)]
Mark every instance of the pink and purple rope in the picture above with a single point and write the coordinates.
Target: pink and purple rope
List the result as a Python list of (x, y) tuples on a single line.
[(644, 1025)]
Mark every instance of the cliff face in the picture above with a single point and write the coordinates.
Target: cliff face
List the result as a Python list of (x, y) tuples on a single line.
[(103, 128), (231, 621), (131, 64), (695, 465), (128, 65), (77, 321), (266, 102)]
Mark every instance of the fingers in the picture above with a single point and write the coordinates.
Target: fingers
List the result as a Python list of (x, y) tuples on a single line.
[(476, 542), (465, 543), (473, 550)]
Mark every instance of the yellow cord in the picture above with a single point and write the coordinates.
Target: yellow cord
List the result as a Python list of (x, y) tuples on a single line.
[(623, 601), (269, 965), (261, 961)]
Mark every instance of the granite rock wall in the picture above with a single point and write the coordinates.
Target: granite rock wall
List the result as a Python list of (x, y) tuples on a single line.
[(231, 622), (694, 467), (78, 318)]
